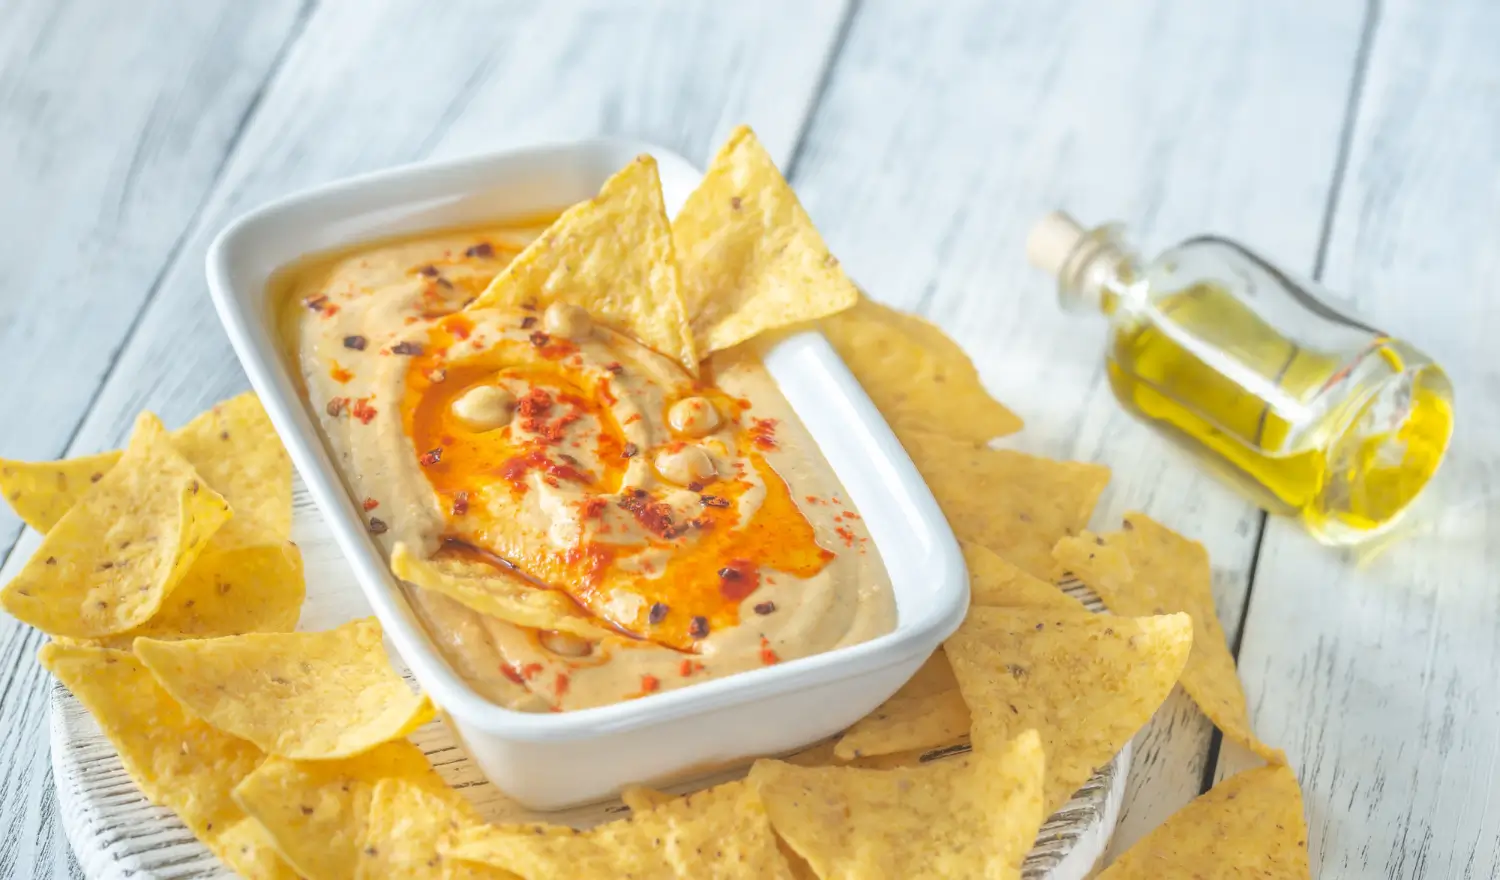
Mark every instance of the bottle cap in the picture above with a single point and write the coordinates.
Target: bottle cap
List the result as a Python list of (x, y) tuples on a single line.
[(1052, 240)]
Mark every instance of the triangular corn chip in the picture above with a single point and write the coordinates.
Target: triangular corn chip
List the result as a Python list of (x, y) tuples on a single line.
[(115, 557), (750, 257), (40, 492), (1085, 682), (1147, 568), (308, 696), (904, 723), (178, 761), (975, 816), (640, 797), (315, 811), (719, 833), (408, 826), (917, 377), (1249, 825), (995, 583), (612, 255)]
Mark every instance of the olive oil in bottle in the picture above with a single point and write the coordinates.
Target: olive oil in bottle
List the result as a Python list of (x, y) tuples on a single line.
[(1309, 412)]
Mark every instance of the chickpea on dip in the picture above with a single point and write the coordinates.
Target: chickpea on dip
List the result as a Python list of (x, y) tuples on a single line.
[(579, 520)]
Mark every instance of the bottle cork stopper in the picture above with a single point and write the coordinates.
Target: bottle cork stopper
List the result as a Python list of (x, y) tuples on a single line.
[(1052, 241)]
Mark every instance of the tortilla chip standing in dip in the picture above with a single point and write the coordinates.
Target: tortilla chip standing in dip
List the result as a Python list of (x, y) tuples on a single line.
[(585, 512)]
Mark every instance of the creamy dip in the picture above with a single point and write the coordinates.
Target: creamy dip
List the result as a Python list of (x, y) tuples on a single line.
[(686, 528)]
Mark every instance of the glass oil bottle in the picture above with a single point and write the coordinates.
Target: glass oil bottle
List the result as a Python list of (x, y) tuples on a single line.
[(1310, 413)]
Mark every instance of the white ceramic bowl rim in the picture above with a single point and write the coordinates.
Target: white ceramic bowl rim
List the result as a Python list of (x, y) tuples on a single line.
[(422, 186)]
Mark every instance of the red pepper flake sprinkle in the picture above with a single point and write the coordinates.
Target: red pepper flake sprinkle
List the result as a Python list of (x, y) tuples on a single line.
[(592, 507), (377, 526), (765, 608), (370, 504), (428, 271), (511, 673), (629, 450), (847, 535), (698, 627), (539, 339), (562, 683), (767, 655), (615, 367), (528, 322), (763, 433), (363, 411), (531, 670), (713, 501), (316, 303), (484, 250), (339, 374), (407, 348), (515, 469), (658, 613), (654, 516), (336, 406), (650, 684), (357, 343), (432, 456), (536, 402), (460, 503), (688, 667)]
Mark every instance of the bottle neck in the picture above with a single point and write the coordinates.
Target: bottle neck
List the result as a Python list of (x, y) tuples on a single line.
[(1100, 274)]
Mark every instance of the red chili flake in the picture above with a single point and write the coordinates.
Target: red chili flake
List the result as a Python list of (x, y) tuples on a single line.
[(698, 628), (614, 367), (511, 673), (767, 655), (539, 339), (339, 374), (370, 504), (515, 469), (738, 579), (528, 322), (407, 348), (848, 535), (658, 613), (562, 683), (814, 500), (632, 420), (713, 501), (849, 514), (431, 456), (654, 516), (316, 303), (592, 508), (377, 526), (629, 450), (536, 402), (531, 670), (460, 503), (695, 486), (650, 684), (688, 667), (356, 343), (363, 411), (765, 608), (484, 250), (763, 433), (428, 271), (336, 405)]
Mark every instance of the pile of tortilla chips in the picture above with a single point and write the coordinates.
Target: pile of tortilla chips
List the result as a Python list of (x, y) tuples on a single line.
[(168, 583)]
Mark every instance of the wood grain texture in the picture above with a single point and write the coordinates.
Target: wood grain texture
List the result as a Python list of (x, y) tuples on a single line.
[(1382, 679), (368, 85), (115, 120), (947, 129)]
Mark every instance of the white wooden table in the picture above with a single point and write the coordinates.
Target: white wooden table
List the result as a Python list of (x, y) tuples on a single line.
[(1358, 142)]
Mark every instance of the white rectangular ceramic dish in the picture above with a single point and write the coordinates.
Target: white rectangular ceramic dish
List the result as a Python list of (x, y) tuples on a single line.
[(559, 759)]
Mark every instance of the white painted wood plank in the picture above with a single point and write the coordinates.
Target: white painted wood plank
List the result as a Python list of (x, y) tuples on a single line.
[(1383, 680), (947, 129), (115, 119), (375, 84)]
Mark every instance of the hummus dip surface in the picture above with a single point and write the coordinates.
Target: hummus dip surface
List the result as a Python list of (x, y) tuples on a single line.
[(678, 529)]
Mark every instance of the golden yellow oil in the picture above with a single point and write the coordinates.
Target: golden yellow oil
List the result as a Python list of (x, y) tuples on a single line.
[(1345, 440)]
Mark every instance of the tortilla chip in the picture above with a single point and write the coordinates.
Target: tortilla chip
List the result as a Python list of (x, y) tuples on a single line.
[(1147, 568), (613, 256), (227, 593), (310, 696), (995, 583), (40, 492), (934, 675), (904, 723), (315, 811), (1249, 825), (489, 592), (721, 833), (232, 446), (178, 761), (750, 258), (408, 824), (917, 377), (1085, 682), (115, 557), (975, 816), (1015, 504), (639, 797)]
